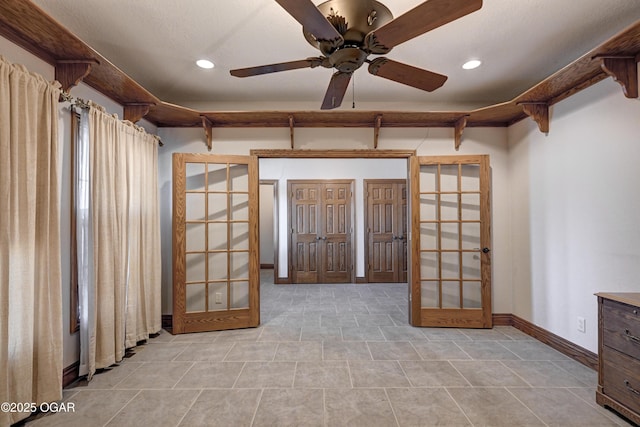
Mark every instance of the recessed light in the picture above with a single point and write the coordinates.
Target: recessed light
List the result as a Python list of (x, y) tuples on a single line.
[(470, 65), (204, 63)]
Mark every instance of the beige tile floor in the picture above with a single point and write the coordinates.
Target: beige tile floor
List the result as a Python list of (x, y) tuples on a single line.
[(339, 355)]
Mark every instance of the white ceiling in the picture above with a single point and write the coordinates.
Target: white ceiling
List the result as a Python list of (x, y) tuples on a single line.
[(157, 42)]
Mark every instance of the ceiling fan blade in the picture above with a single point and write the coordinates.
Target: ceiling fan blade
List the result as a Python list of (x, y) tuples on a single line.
[(274, 68), (307, 14), (406, 74), (336, 90), (422, 18)]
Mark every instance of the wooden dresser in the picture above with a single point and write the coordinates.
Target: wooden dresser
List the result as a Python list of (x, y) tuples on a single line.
[(619, 353)]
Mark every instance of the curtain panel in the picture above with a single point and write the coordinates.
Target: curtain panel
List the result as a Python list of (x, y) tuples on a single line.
[(30, 262), (120, 301)]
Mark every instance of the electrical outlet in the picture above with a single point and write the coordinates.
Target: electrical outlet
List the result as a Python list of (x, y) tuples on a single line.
[(218, 298), (582, 324)]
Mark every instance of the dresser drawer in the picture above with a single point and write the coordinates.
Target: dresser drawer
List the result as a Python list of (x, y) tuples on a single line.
[(621, 378), (621, 327)]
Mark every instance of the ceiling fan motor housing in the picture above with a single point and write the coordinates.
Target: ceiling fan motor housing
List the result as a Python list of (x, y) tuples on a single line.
[(347, 59), (361, 16)]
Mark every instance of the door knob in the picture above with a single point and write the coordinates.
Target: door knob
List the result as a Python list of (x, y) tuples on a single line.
[(485, 250), (324, 237)]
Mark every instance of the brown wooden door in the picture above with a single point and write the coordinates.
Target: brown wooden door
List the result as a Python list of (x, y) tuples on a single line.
[(386, 228), (321, 232), (215, 242), (451, 271)]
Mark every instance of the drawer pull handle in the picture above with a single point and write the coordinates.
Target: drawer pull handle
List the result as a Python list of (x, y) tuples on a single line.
[(631, 389), (631, 337)]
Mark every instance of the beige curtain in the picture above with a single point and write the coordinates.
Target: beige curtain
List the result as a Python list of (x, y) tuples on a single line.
[(30, 281), (126, 237)]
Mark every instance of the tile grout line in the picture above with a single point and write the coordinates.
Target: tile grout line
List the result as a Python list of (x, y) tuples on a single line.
[(123, 406), (523, 404), (446, 389), (393, 411), (239, 375), (459, 373), (515, 373), (173, 387), (255, 412), (190, 406)]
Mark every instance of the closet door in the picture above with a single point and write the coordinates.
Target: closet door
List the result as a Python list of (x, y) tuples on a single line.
[(215, 242), (304, 248), (320, 249), (386, 228), (451, 278), (336, 230)]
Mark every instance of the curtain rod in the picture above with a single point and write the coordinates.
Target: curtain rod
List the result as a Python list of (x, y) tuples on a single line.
[(81, 103)]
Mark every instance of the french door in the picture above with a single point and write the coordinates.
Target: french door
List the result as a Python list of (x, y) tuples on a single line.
[(451, 272), (386, 230), (321, 232), (215, 242)]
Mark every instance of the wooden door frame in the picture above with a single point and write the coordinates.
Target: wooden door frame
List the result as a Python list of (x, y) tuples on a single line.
[(335, 154), (366, 215), (352, 254)]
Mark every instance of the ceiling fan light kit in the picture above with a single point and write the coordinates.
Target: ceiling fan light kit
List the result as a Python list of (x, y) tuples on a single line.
[(346, 32)]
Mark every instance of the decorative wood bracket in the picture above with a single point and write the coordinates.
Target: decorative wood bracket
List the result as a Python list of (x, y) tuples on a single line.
[(376, 130), (624, 70), (538, 111), (70, 72), (291, 124), (459, 128), (208, 131), (135, 111)]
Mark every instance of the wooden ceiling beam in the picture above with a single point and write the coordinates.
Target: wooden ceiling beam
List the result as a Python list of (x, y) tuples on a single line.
[(30, 27)]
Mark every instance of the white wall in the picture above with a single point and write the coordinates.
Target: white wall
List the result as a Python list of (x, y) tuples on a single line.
[(492, 141), (575, 228), (267, 224)]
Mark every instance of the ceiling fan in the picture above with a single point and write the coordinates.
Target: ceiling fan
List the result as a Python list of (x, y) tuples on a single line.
[(347, 31)]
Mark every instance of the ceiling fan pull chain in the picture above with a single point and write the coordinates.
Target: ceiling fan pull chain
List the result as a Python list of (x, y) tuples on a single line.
[(353, 90)]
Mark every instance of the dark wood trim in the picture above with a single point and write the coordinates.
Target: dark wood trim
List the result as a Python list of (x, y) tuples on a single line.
[(266, 266), (560, 344), (70, 374), (281, 281), (167, 321), (502, 319), (361, 280)]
